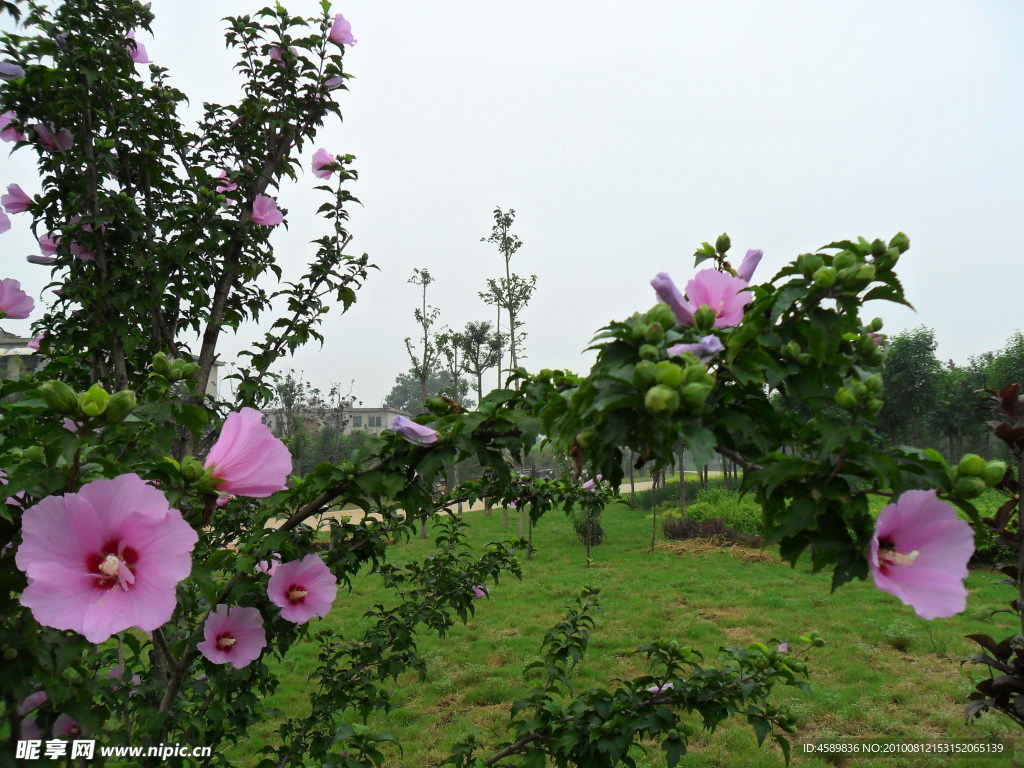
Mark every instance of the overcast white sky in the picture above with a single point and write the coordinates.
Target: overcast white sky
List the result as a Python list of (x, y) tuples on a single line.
[(624, 134)]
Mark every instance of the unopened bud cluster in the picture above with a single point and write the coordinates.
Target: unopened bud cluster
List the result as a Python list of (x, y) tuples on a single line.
[(174, 369), (862, 395), (95, 403), (855, 267), (973, 475)]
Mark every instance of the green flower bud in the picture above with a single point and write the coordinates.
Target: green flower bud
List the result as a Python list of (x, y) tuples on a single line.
[(655, 333), (120, 405), (161, 364), (644, 374), (994, 472), (859, 388), (191, 470), (969, 487), (866, 272), (697, 374), (649, 352), (188, 370), (661, 400), (669, 374), (809, 263), (59, 397), (661, 314), (972, 465), (875, 325), (639, 328), (723, 243), (93, 401), (845, 399), (704, 318), (10, 654), (874, 384), (35, 453), (877, 247), (694, 395), (900, 242), (844, 260), (873, 407), (790, 350), (825, 277)]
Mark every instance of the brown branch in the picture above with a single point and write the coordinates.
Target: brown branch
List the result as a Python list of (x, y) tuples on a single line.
[(737, 458)]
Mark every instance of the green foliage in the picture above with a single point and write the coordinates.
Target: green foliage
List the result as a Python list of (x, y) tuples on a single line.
[(740, 513)]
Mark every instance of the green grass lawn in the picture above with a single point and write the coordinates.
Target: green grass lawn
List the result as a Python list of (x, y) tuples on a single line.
[(884, 673)]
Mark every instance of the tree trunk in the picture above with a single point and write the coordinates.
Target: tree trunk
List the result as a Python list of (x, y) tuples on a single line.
[(632, 485), (680, 453), (423, 528), (504, 518)]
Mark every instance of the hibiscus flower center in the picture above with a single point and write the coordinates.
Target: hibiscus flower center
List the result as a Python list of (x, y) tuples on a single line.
[(113, 565), (296, 593), (887, 554), (225, 640)]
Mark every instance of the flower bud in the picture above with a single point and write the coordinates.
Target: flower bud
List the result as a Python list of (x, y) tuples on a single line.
[(161, 364), (120, 405), (972, 465), (649, 352), (866, 272), (859, 388), (59, 397), (697, 374), (877, 247), (661, 314), (874, 384), (693, 396), (644, 374), (655, 333), (825, 277), (845, 399), (969, 487), (93, 401), (35, 453), (790, 350), (809, 263), (723, 243), (900, 242), (192, 469), (844, 260), (875, 325), (660, 400), (704, 318), (994, 472), (669, 374), (873, 407), (187, 370)]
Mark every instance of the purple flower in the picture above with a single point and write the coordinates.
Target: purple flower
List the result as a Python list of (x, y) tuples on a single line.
[(226, 185), (104, 559), (9, 71), (42, 260), (322, 162), (247, 458), (5, 222), (136, 50), (302, 589), (660, 688), (265, 211), (876, 338), (334, 82), (592, 483), (48, 244), (34, 343), (32, 702), (341, 31), (750, 262), (669, 294), (9, 132), (479, 590), (14, 302), (417, 434), (59, 141), (783, 648), (704, 350), (16, 200), (920, 552), (65, 725), (233, 636), (268, 566), (724, 294)]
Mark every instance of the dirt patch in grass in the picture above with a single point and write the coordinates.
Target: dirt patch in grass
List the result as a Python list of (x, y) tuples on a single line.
[(706, 546)]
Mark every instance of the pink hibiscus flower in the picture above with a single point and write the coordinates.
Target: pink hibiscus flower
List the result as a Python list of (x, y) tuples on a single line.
[(322, 160), (479, 590), (14, 302), (16, 200), (9, 132), (265, 211), (341, 31), (5, 222), (592, 483), (234, 636), (136, 50), (750, 262), (724, 293), (302, 589), (247, 458), (226, 185), (53, 141), (920, 552), (418, 434), (104, 559)]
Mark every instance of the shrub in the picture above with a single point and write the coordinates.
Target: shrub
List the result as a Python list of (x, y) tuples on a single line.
[(585, 527)]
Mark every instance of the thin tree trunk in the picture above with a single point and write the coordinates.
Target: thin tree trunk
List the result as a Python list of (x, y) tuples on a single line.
[(522, 523), (632, 485), (504, 518), (423, 528), (487, 508), (680, 453)]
